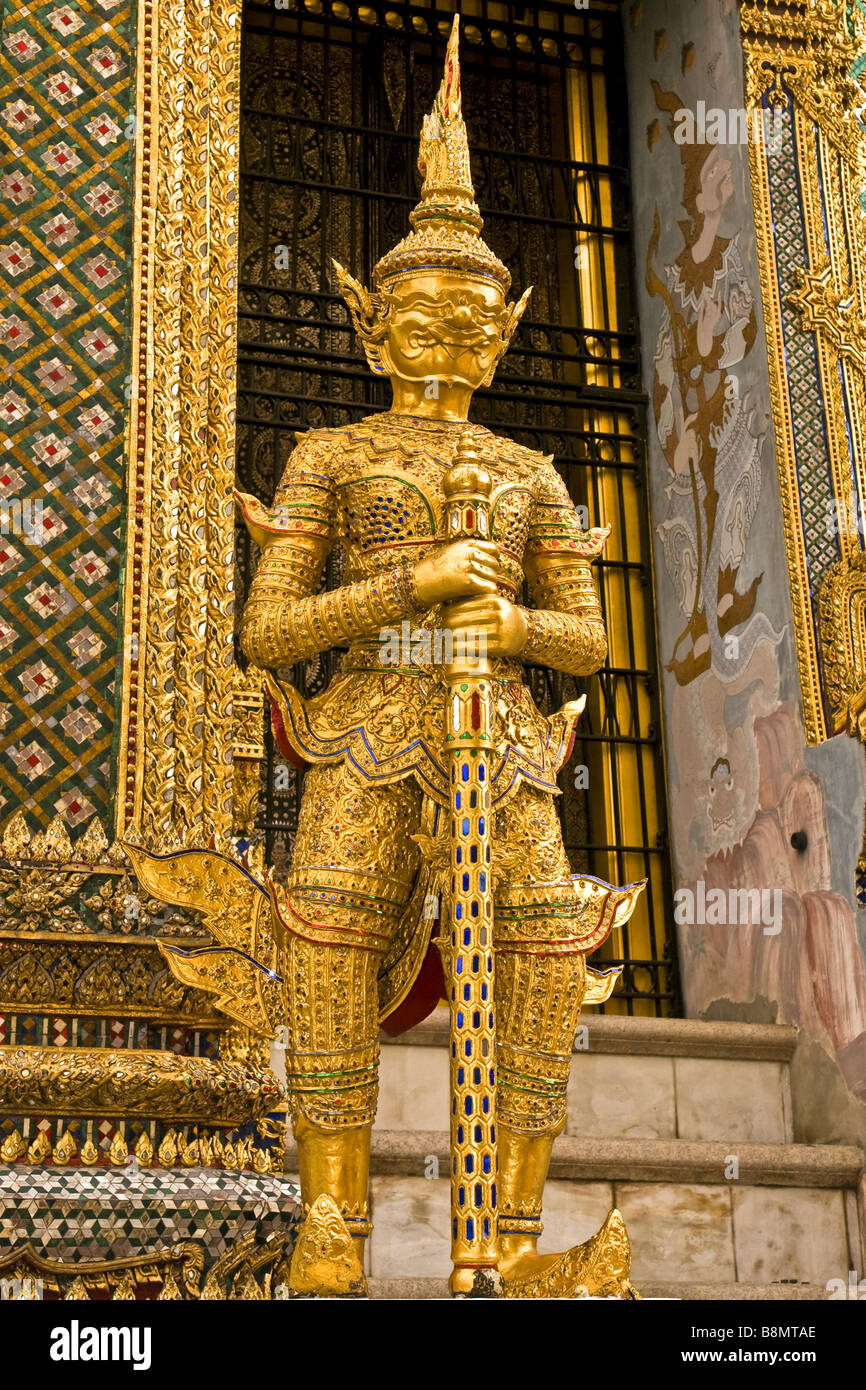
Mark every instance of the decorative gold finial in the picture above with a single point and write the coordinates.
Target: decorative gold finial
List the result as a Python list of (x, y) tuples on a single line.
[(467, 486), (190, 1155), (40, 1149), (144, 1150), (93, 843), (467, 473), (167, 1152), (57, 842), (13, 1147), (64, 1149), (16, 835), (443, 156), (446, 224), (89, 1152), (118, 1152)]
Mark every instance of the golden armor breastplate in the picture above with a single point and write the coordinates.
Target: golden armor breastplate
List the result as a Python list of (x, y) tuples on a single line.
[(382, 712)]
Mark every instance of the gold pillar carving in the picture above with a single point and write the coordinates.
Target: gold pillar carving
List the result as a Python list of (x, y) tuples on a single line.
[(174, 768), (248, 747), (800, 65), (843, 632)]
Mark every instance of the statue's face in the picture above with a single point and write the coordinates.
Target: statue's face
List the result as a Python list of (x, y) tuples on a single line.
[(445, 327)]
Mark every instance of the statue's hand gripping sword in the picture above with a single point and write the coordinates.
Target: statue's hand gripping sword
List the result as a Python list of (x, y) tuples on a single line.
[(468, 949)]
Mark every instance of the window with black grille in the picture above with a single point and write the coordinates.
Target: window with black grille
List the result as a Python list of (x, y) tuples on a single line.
[(332, 100)]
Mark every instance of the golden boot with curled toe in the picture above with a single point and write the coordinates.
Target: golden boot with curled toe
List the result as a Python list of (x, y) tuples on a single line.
[(597, 1268)]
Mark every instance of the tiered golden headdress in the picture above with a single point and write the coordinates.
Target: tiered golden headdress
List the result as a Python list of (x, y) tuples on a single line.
[(446, 224)]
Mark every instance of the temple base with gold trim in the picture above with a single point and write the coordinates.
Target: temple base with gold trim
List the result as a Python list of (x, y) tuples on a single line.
[(141, 1132), (193, 1233)]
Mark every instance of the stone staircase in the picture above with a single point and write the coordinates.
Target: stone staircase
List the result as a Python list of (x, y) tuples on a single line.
[(685, 1126)]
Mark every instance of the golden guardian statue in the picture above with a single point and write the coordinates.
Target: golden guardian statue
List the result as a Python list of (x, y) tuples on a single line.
[(431, 774)]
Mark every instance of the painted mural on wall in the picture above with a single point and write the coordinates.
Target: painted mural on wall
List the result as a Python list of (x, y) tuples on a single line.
[(707, 429), (758, 918)]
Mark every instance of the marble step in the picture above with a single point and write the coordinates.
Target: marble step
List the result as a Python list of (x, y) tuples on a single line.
[(414, 1153), (438, 1288), (648, 1037), (682, 1231), (631, 1078), (790, 1214)]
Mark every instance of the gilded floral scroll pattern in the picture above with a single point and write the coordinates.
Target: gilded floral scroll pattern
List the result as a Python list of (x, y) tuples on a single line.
[(176, 722), (812, 253)]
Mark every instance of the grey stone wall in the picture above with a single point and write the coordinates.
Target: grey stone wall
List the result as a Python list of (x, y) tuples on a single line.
[(741, 778)]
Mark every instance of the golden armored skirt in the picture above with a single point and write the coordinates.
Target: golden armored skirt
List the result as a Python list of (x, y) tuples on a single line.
[(368, 885)]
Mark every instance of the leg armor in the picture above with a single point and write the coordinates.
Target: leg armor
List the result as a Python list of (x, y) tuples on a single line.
[(352, 875), (540, 984)]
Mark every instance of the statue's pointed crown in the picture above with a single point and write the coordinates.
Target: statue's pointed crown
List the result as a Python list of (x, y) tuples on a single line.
[(446, 224)]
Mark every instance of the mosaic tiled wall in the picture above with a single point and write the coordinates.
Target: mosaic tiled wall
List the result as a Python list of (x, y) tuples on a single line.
[(68, 83)]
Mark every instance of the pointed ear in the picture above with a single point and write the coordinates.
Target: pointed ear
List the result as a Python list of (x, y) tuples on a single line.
[(362, 305), (515, 313), (365, 308)]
